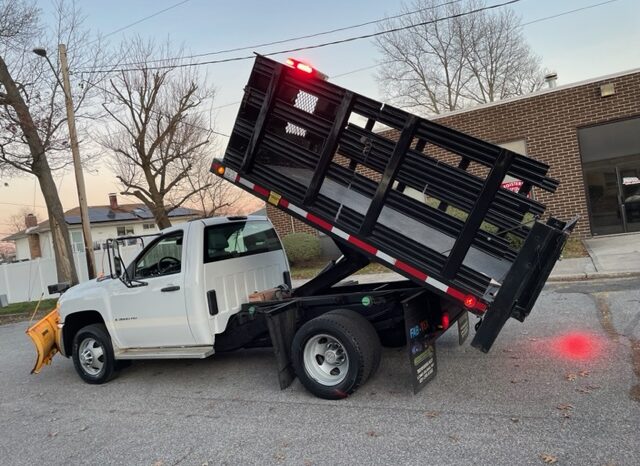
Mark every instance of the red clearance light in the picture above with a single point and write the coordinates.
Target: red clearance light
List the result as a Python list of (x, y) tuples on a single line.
[(304, 67), (299, 65), (470, 301), (445, 321)]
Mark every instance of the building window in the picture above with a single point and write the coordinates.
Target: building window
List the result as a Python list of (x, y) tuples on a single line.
[(77, 243), (125, 230), (148, 226)]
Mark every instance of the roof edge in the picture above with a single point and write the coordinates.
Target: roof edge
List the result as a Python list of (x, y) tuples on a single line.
[(536, 94)]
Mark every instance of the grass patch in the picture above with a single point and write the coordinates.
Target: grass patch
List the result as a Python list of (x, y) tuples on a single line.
[(573, 248), (28, 307), (310, 269)]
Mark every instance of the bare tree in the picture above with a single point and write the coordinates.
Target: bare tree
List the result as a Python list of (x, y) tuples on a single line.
[(33, 136), (212, 194), (17, 221), (159, 129), (442, 64), (7, 251)]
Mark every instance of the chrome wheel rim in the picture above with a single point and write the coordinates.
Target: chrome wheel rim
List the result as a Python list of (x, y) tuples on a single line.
[(325, 360), (91, 355)]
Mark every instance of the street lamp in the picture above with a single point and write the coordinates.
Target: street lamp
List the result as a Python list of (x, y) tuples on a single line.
[(75, 151)]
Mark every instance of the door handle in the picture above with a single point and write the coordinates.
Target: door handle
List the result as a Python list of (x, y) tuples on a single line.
[(170, 288)]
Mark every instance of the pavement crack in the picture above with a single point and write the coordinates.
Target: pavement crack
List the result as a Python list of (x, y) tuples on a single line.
[(634, 393), (604, 314)]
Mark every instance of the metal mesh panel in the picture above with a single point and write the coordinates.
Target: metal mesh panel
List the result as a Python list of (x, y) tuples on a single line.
[(304, 101)]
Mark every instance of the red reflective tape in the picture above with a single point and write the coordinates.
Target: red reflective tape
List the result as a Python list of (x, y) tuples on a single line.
[(411, 270), (214, 166), (362, 245), (284, 203), (237, 179), (319, 222), (260, 190), (481, 306), (456, 294)]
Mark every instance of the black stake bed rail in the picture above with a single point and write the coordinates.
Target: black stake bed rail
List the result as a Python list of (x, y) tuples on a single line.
[(422, 199)]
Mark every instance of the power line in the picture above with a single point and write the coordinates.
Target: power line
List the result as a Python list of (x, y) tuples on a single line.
[(291, 39), (146, 18), (309, 47), (113, 94), (567, 12), (538, 20), (22, 205)]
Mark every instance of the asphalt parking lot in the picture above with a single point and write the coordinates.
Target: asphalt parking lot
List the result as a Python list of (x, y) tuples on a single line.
[(560, 388)]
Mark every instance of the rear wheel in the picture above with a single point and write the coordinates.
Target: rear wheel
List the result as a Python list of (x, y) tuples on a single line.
[(93, 354), (335, 353)]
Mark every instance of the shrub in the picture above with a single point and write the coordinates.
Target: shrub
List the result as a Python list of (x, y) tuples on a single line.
[(301, 247)]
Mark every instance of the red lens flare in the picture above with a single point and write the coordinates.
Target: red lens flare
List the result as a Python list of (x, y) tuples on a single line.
[(577, 345)]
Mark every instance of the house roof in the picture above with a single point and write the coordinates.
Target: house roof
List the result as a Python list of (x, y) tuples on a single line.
[(105, 214)]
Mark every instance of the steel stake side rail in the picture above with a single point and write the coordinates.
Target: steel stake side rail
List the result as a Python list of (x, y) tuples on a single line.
[(422, 199)]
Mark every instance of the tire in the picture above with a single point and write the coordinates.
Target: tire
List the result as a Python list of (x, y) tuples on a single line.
[(93, 354), (335, 353)]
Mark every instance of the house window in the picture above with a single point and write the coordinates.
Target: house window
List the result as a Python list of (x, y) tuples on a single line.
[(148, 226), (125, 230), (77, 243)]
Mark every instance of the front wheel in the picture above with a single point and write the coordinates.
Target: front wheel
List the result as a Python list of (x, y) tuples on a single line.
[(93, 354), (335, 353)]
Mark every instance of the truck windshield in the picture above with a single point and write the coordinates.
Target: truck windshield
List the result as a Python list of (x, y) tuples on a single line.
[(238, 239)]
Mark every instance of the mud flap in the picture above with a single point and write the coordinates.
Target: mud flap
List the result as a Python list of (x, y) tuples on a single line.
[(44, 335), (463, 327), (421, 342), (281, 322)]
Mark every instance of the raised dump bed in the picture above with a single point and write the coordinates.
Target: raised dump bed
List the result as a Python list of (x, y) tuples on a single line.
[(421, 198)]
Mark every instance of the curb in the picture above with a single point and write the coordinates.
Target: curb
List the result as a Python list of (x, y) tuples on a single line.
[(592, 276)]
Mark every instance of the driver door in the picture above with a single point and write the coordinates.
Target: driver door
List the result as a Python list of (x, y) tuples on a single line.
[(154, 315)]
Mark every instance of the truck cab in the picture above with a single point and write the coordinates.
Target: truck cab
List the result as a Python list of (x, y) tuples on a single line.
[(177, 294)]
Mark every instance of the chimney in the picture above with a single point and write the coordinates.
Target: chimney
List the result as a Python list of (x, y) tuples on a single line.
[(113, 201), (30, 221), (551, 79)]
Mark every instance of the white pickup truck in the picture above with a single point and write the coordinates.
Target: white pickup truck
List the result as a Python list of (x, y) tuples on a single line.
[(172, 300)]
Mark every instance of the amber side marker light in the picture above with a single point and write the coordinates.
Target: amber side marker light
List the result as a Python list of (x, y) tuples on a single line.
[(220, 170)]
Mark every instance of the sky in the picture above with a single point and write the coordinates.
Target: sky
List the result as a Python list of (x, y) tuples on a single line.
[(578, 46)]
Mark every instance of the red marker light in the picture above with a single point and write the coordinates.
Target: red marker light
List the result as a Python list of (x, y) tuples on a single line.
[(304, 67), (445, 321), (298, 65), (470, 301)]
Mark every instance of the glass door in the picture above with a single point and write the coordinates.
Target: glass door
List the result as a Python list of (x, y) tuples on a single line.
[(604, 198), (629, 183)]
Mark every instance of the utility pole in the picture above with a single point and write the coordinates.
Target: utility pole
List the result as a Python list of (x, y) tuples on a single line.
[(77, 166)]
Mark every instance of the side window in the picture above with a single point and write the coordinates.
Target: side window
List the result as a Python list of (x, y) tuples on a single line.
[(164, 257), (238, 239)]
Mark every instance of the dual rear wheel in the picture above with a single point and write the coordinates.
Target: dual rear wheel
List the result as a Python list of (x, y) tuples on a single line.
[(335, 353)]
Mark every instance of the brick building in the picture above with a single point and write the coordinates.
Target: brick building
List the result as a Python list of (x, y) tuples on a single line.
[(588, 132)]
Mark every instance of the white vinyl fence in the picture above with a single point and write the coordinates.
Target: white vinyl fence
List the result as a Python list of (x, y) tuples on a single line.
[(26, 281)]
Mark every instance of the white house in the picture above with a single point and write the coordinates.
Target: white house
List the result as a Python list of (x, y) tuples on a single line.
[(108, 221)]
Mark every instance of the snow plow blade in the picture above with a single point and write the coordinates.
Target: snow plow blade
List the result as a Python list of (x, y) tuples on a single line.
[(44, 335)]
